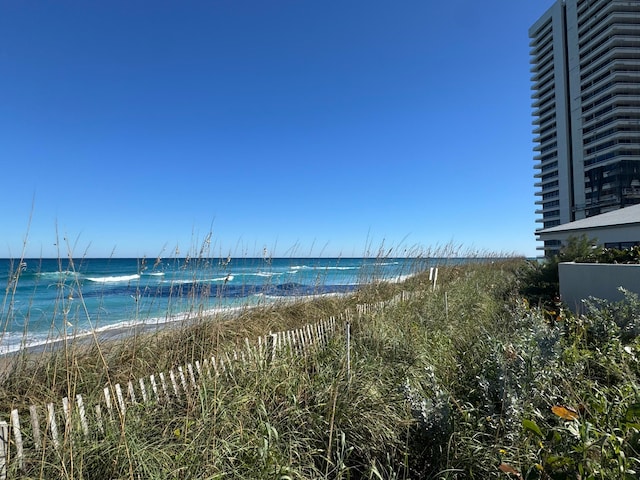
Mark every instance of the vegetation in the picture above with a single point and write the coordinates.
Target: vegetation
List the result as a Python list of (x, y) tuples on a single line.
[(467, 380), (540, 280)]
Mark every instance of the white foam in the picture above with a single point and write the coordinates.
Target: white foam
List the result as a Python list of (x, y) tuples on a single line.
[(118, 278), (64, 274), (264, 274), (14, 341), (321, 268), (226, 278)]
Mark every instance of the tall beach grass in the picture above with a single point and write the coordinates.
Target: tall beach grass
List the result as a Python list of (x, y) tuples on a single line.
[(461, 379)]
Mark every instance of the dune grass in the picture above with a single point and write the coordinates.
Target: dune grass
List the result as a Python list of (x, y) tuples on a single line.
[(466, 380)]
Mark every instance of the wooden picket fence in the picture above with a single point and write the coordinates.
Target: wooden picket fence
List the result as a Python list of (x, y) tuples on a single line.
[(57, 425), (47, 426)]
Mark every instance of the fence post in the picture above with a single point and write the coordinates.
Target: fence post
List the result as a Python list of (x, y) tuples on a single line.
[(4, 449)]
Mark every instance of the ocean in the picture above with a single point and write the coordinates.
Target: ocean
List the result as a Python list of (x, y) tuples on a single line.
[(48, 299)]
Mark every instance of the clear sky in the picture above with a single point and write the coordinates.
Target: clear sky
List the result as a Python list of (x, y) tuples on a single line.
[(321, 128)]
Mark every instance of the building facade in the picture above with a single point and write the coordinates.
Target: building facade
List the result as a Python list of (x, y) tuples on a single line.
[(585, 57)]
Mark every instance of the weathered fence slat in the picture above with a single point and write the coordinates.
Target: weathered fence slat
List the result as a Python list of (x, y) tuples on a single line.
[(214, 365), (154, 387), (123, 407), (98, 409), (66, 410), (143, 390), (53, 426), (17, 436), (183, 380), (83, 418), (4, 449), (260, 347), (107, 401), (289, 341), (163, 383), (192, 377), (174, 383), (35, 426), (132, 393), (273, 345)]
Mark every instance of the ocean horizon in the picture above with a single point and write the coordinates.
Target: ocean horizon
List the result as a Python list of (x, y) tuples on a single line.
[(50, 299)]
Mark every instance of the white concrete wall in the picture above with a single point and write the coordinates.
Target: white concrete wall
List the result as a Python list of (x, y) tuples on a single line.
[(600, 280)]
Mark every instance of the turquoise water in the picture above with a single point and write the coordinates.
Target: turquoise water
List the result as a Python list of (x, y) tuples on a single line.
[(47, 299)]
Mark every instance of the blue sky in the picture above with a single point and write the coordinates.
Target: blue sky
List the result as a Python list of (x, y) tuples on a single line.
[(132, 128)]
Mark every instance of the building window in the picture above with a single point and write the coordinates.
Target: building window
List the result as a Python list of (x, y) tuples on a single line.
[(621, 245)]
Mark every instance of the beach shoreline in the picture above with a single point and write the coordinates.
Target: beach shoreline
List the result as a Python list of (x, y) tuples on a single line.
[(107, 336)]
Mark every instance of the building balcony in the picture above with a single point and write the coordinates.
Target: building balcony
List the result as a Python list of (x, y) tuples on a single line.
[(633, 191), (541, 77), (541, 102), (627, 111), (553, 172), (603, 201), (541, 40), (613, 45), (614, 24)]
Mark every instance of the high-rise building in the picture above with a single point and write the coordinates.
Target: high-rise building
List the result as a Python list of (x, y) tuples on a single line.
[(585, 57)]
